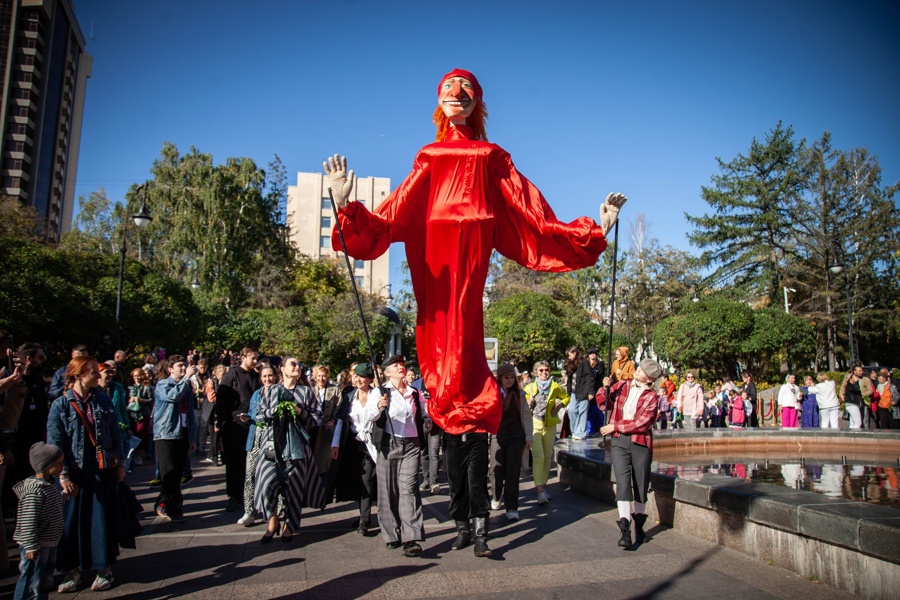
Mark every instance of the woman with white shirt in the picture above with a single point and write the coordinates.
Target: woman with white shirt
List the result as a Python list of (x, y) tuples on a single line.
[(357, 453), (826, 398), (788, 399)]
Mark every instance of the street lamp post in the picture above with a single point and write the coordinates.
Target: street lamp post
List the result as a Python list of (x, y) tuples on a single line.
[(837, 268), (141, 219), (786, 303)]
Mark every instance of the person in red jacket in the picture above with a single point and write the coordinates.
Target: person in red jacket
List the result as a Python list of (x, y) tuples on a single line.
[(634, 409), (463, 199)]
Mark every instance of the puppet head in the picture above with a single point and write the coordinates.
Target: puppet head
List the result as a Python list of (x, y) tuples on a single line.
[(462, 96)]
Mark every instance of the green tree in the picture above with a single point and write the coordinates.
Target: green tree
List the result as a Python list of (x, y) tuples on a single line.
[(846, 217), (707, 334), (747, 235), (19, 221), (61, 297), (777, 338)]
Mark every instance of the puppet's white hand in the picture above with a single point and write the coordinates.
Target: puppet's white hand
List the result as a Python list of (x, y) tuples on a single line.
[(609, 211), (340, 180)]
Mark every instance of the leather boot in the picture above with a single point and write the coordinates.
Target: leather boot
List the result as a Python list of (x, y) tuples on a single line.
[(625, 528), (639, 520), (481, 533), (463, 536)]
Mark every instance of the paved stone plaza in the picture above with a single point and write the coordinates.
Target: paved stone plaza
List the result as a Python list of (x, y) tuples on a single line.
[(564, 550)]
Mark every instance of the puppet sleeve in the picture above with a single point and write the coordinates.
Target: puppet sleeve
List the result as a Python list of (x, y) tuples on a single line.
[(528, 231), (368, 234)]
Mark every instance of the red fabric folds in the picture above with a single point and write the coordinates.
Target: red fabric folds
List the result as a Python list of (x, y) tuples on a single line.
[(462, 199)]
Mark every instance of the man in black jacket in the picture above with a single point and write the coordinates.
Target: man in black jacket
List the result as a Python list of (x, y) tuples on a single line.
[(598, 371), (232, 403)]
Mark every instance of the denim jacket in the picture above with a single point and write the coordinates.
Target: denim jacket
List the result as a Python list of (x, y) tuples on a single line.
[(66, 430), (167, 410)]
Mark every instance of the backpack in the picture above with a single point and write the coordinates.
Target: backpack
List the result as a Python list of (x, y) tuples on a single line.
[(748, 407)]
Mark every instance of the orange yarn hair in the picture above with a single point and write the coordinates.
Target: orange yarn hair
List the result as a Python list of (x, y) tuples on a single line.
[(476, 121)]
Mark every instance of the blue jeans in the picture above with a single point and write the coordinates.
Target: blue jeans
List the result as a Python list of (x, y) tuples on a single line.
[(578, 410), (36, 577)]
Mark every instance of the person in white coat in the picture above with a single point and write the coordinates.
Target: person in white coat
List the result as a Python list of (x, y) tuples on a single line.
[(827, 400), (788, 400)]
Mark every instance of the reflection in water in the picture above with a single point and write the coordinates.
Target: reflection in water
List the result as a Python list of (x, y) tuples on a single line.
[(867, 483)]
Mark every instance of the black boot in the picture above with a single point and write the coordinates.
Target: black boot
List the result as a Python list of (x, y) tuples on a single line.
[(625, 528), (481, 533), (639, 520), (463, 536)]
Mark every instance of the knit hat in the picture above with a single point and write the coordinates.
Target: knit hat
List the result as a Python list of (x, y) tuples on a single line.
[(43, 455), (505, 369), (462, 73), (364, 370), (651, 369)]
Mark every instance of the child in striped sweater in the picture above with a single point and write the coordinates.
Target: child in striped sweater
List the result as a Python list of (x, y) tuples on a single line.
[(39, 525)]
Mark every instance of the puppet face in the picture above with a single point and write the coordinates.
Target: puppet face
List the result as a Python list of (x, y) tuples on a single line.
[(457, 99)]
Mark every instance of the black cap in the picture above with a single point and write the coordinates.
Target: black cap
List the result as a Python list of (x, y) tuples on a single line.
[(390, 360), (592, 351), (364, 370)]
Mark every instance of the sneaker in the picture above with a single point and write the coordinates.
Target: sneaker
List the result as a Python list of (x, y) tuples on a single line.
[(207, 461), (162, 513), (495, 505), (155, 482), (139, 462), (393, 545), (425, 486), (543, 498), (412, 549), (577, 438), (247, 520), (187, 479), (435, 490), (512, 515), (71, 582), (103, 581)]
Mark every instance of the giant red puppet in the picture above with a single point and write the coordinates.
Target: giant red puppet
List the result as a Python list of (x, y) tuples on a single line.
[(463, 198)]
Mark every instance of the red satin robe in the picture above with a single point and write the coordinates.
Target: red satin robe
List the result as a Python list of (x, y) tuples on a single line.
[(464, 198)]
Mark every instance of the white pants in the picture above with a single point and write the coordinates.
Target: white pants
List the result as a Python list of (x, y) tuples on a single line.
[(855, 416), (828, 417)]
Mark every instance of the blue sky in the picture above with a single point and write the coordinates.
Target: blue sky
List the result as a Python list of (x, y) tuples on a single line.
[(588, 97)]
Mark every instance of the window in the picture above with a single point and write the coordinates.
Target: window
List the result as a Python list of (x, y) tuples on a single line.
[(14, 146), (23, 76), (326, 221), (18, 128), (325, 241), (21, 94), (20, 111), (326, 203), (14, 164), (26, 59), (359, 264), (11, 182), (360, 281)]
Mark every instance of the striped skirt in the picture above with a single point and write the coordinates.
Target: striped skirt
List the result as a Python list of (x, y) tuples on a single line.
[(298, 483)]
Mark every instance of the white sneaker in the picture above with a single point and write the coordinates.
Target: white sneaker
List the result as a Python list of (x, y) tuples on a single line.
[(71, 582), (512, 515), (495, 505), (102, 582), (543, 498), (247, 520)]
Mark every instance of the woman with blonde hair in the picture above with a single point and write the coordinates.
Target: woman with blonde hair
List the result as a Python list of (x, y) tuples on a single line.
[(545, 399)]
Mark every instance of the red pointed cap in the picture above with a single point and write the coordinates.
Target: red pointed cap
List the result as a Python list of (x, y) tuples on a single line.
[(462, 73)]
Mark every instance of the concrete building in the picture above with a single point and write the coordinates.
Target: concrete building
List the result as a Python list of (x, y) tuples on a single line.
[(310, 219), (44, 75)]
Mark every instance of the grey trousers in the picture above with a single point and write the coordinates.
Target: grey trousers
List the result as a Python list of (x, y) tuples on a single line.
[(631, 463), (399, 499)]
